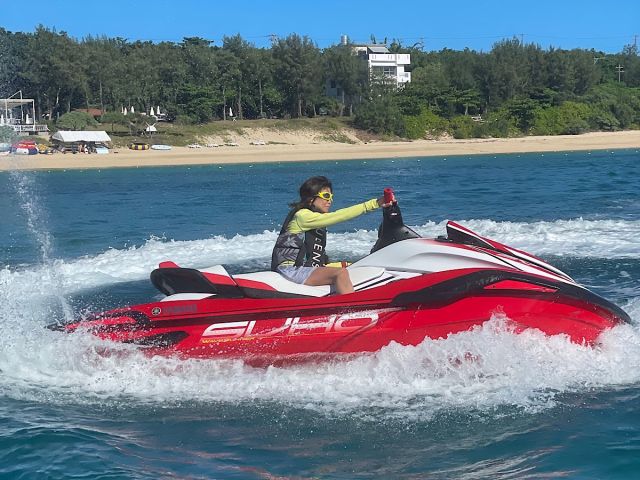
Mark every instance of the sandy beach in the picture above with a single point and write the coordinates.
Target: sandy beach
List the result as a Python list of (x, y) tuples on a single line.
[(304, 149)]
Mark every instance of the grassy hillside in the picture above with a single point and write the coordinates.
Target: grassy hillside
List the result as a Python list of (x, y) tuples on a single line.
[(321, 129)]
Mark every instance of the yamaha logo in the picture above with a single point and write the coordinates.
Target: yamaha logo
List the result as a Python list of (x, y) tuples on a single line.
[(156, 311)]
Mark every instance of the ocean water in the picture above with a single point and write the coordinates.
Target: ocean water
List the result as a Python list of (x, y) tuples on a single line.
[(527, 406)]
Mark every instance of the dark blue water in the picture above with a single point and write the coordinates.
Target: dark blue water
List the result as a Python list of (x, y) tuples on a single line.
[(533, 407)]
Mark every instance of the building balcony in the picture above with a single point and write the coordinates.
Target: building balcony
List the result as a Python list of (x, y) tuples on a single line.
[(390, 58), (30, 128)]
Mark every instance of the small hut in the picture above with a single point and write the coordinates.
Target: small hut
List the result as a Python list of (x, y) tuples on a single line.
[(81, 141)]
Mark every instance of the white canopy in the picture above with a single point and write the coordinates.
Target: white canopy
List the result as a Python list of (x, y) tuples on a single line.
[(81, 136)]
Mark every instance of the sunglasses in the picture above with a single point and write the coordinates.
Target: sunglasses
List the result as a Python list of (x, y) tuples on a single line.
[(328, 196)]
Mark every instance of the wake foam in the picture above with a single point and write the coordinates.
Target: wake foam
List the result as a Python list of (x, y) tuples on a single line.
[(481, 370)]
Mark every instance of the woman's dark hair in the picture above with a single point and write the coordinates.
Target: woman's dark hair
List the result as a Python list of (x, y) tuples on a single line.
[(309, 189)]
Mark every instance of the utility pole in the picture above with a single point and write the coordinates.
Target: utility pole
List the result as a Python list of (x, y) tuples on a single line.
[(620, 70)]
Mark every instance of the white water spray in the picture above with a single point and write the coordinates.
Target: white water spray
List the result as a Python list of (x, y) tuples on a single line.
[(25, 187), (484, 369)]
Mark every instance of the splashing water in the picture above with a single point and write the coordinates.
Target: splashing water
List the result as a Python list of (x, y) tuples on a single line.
[(33, 209), (482, 369)]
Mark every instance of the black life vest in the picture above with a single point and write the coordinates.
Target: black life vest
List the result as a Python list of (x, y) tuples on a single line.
[(303, 249)]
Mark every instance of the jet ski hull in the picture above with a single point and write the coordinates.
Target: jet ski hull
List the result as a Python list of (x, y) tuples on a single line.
[(406, 311)]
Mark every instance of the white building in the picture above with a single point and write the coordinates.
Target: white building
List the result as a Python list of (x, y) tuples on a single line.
[(382, 65), (19, 114)]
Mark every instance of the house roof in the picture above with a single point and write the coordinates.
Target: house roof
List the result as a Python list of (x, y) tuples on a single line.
[(81, 136), (94, 112), (9, 103), (378, 49)]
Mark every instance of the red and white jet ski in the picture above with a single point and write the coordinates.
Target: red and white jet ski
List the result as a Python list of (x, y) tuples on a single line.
[(409, 288)]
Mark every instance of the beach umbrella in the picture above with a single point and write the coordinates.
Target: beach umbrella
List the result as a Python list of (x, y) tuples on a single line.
[(152, 112), (230, 112), (132, 109), (158, 110), (124, 110), (1, 119), (27, 119)]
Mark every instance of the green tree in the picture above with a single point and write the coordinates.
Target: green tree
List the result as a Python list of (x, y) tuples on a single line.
[(427, 85), (114, 118), (137, 123), (196, 95), (240, 50), (76, 121), (297, 70), (199, 103), (462, 126), (12, 48), (631, 62), (523, 111), (380, 114), (507, 70), (7, 134), (570, 118), (348, 71), (426, 124), (53, 67), (230, 76), (260, 76)]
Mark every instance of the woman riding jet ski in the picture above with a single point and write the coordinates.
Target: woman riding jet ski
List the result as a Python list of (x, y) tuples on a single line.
[(407, 289), (299, 254)]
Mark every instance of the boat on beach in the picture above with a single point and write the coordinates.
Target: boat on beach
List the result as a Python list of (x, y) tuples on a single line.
[(25, 147), (139, 146)]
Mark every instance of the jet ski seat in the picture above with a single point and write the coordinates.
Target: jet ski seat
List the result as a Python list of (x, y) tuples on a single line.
[(275, 281), (191, 284)]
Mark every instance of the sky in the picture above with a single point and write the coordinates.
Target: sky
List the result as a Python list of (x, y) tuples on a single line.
[(433, 25)]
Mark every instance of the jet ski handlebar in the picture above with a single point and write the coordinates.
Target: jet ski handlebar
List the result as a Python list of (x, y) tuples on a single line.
[(392, 229), (389, 195)]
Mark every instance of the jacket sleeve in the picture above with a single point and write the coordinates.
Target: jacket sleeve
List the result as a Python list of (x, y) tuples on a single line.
[(305, 220)]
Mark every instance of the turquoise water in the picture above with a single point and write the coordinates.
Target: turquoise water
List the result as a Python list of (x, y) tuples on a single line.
[(526, 407)]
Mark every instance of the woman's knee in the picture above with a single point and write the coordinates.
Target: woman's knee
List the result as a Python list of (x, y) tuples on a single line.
[(343, 273), (343, 276)]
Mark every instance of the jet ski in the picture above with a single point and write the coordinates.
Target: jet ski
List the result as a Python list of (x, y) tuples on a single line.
[(406, 290)]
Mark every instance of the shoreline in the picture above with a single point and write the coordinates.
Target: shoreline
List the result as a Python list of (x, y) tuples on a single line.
[(273, 153)]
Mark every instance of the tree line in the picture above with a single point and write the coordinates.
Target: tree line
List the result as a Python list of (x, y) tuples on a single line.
[(512, 89)]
